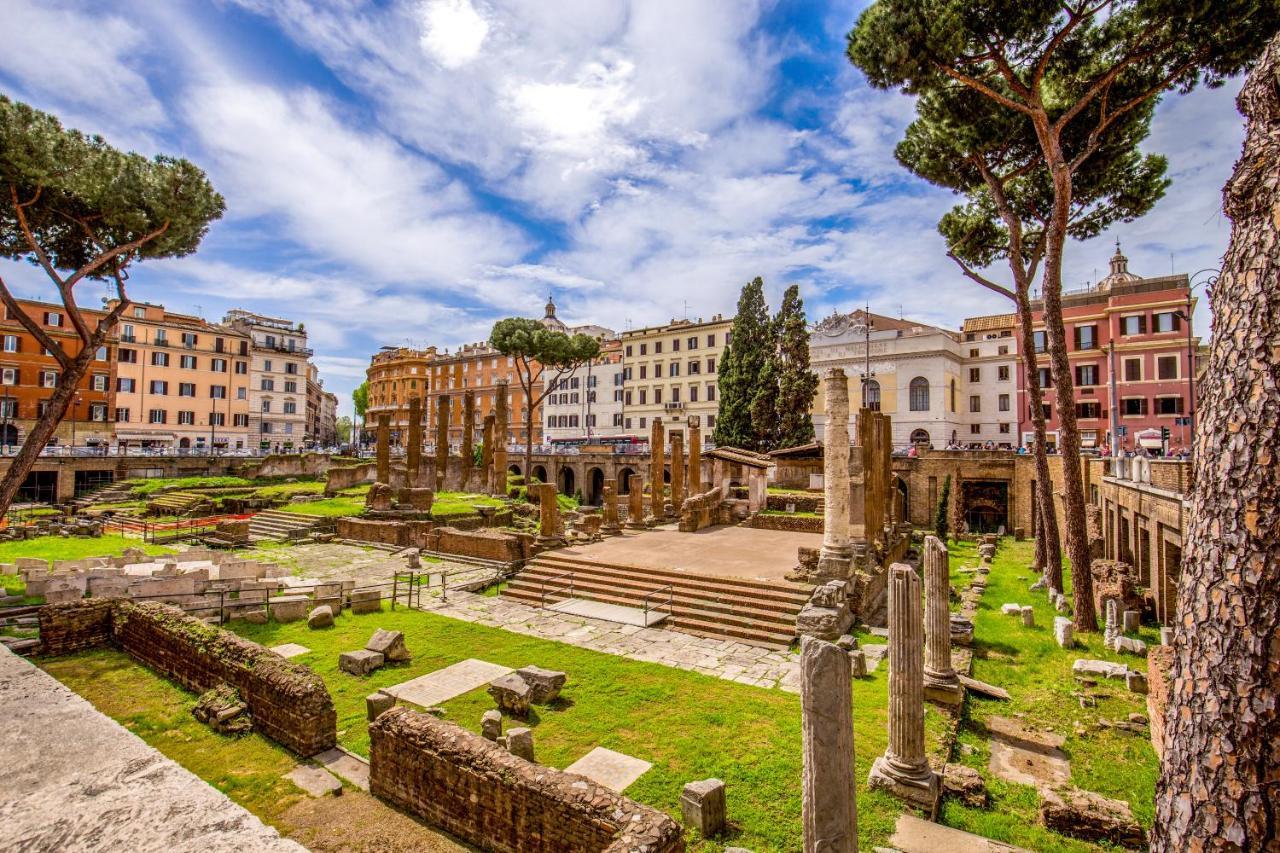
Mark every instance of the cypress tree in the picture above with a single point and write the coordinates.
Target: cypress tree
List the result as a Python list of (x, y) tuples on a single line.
[(764, 406), (741, 366), (797, 383)]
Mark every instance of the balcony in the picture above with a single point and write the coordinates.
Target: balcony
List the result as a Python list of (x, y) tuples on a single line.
[(673, 406), (302, 351)]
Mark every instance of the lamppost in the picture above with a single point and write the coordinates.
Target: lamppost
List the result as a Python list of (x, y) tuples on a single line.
[(1211, 278), (865, 327), (75, 403)]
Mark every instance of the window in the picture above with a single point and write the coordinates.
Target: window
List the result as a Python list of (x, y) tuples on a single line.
[(693, 393), (187, 362), (266, 405), (1133, 370), (675, 368), (122, 415), (217, 419), (975, 374), (1038, 341), (711, 421), (158, 416), (160, 337), (657, 396), (127, 356), (189, 339), (1086, 375), (1003, 349), (675, 345), (160, 359), (240, 420), (919, 394), (126, 385), (711, 394), (1168, 405), (617, 419), (1132, 406), (140, 313), (9, 376), (1165, 321), (266, 427), (693, 342), (290, 408), (10, 343), (220, 345), (1047, 410), (217, 365), (973, 353), (186, 389), (1002, 403), (675, 394), (644, 371), (626, 398), (242, 393), (693, 368), (266, 364), (1133, 325), (101, 354), (657, 371), (48, 379), (291, 367), (1167, 366), (975, 403), (187, 418), (975, 429), (100, 382), (268, 384), (127, 333), (1004, 428), (1045, 376), (218, 392), (711, 365), (242, 368), (159, 386), (291, 387), (1002, 373), (872, 395), (644, 350), (628, 350), (1086, 337), (52, 318), (1088, 411), (657, 347)]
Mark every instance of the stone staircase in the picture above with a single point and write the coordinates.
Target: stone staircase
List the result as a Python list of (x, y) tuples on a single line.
[(761, 613), (106, 493), (274, 526)]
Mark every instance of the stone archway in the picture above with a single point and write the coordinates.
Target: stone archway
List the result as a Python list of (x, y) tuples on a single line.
[(985, 505), (513, 469), (920, 438), (567, 480), (539, 473), (595, 487), (624, 480)]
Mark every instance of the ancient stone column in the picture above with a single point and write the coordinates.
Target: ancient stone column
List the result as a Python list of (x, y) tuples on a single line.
[(836, 558), (486, 454), (826, 703), (500, 429), (677, 471), (413, 450), (903, 770), (941, 684), (635, 513), (610, 522), (383, 449), (695, 459), (657, 464), (548, 513), (442, 439), (468, 434)]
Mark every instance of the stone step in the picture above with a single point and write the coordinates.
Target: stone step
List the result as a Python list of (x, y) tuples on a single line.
[(780, 591)]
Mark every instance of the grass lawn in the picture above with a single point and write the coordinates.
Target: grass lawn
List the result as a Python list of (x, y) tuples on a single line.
[(142, 487), (327, 508), (445, 505), (1028, 663)]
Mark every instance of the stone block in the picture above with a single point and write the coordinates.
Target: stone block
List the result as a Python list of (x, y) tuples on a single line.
[(1089, 816), (1063, 632), (491, 725), (360, 662), (512, 693), (825, 623), (62, 594), (320, 617), (1103, 668), (378, 703), (1166, 636), (848, 642), (289, 608), (519, 743), (1136, 682), (858, 663), (1132, 621), (1028, 617), (366, 600), (965, 784), (1011, 609), (544, 684), (1130, 646), (702, 805), (390, 644)]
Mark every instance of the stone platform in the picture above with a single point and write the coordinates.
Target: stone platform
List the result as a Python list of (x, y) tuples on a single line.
[(736, 552)]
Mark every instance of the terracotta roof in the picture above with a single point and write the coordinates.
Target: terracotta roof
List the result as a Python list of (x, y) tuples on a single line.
[(991, 321), (741, 457), (811, 450)]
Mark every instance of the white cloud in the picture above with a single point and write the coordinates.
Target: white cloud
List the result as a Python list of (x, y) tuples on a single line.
[(452, 31)]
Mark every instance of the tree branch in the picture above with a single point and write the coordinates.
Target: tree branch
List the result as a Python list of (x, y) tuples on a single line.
[(31, 326), (978, 85), (18, 208), (985, 282), (95, 264)]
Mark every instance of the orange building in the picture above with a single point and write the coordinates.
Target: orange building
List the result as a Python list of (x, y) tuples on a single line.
[(395, 375), (477, 367), (28, 377)]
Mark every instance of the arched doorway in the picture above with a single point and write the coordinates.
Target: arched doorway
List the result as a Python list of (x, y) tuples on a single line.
[(540, 473), (624, 481), (184, 443), (920, 438), (595, 487), (904, 506), (566, 481), (513, 469)]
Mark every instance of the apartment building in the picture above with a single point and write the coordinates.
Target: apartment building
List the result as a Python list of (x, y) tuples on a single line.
[(277, 378), (991, 370), (670, 374), (588, 402), (395, 375), (1141, 327), (322, 411), (180, 383), (29, 376), (328, 419), (479, 368)]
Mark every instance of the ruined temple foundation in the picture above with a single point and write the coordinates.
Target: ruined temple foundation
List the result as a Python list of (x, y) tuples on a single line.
[(826, 703), (941, 683), (835, 560), (903, 770)]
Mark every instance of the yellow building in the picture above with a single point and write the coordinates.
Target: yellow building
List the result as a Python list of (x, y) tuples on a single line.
[(671, 373)]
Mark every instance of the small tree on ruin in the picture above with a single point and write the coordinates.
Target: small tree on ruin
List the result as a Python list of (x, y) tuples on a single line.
[(81, 210)]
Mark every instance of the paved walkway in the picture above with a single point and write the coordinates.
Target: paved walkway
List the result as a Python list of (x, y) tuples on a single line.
[(75, 780), (728, 659)]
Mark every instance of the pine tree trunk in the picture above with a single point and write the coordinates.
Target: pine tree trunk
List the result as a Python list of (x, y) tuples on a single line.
[(1220, 781), (1051, 567)]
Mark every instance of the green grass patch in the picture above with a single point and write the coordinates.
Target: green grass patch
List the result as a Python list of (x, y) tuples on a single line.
[(73, 548), (151, 485), (328, 507), (288, 490)]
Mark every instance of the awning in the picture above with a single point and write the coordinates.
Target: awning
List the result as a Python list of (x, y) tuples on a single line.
[(139, 435)]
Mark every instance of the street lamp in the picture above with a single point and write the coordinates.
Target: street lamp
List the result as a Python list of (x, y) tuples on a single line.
[(75, 402), (865, 328), (1211, 279)]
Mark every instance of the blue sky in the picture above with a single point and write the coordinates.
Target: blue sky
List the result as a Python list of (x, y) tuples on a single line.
[(409, 171)]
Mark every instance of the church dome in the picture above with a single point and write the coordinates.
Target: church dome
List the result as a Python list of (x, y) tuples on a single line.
[(1119, 271)]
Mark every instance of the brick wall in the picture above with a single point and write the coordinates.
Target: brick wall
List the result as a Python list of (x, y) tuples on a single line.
[(368, 530), (481, 544), (346, 476), (792, 523), (74, 627), (803, 503), (1159, 660), (481, 793)]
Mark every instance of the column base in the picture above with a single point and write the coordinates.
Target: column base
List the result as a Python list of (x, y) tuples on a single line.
[(835, 563), (610, 530), (636, 525), (942, 690), (918, 787)]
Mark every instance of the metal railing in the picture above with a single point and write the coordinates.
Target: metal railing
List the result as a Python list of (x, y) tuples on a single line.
[(162, 532), (671, 614), (542, 598)]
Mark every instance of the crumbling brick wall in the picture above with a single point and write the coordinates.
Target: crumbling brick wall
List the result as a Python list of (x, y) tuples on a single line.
[(289, 703), (1159, 661), (803, 503), (481, 544), (791, 523), (75, 626), (478, 791), (1114, 579)]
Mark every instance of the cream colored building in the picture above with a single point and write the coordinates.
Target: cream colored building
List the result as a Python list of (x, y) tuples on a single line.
[(277, 378), (671, 373), (990, 401), (181, 383)]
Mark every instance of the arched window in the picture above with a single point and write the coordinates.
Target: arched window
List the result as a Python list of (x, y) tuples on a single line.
[(872, 395), (920, 438), (919, 394)]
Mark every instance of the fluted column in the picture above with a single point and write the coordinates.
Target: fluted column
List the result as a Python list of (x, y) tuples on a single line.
[(657, 464), (903, 770), (826, 717), (941, 684), (677, 471), (413, 445), (500, 429), (695, 459), (635, 513), (610, 523), (835, 559), (442, 440)]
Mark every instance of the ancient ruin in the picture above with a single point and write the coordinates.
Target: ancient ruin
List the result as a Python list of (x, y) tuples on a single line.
[(941, 684), (830, 810)]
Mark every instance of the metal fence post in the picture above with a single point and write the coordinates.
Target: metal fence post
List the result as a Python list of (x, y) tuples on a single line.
[(395, 589)]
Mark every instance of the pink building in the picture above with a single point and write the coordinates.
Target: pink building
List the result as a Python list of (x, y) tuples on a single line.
[(1141, 327)]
